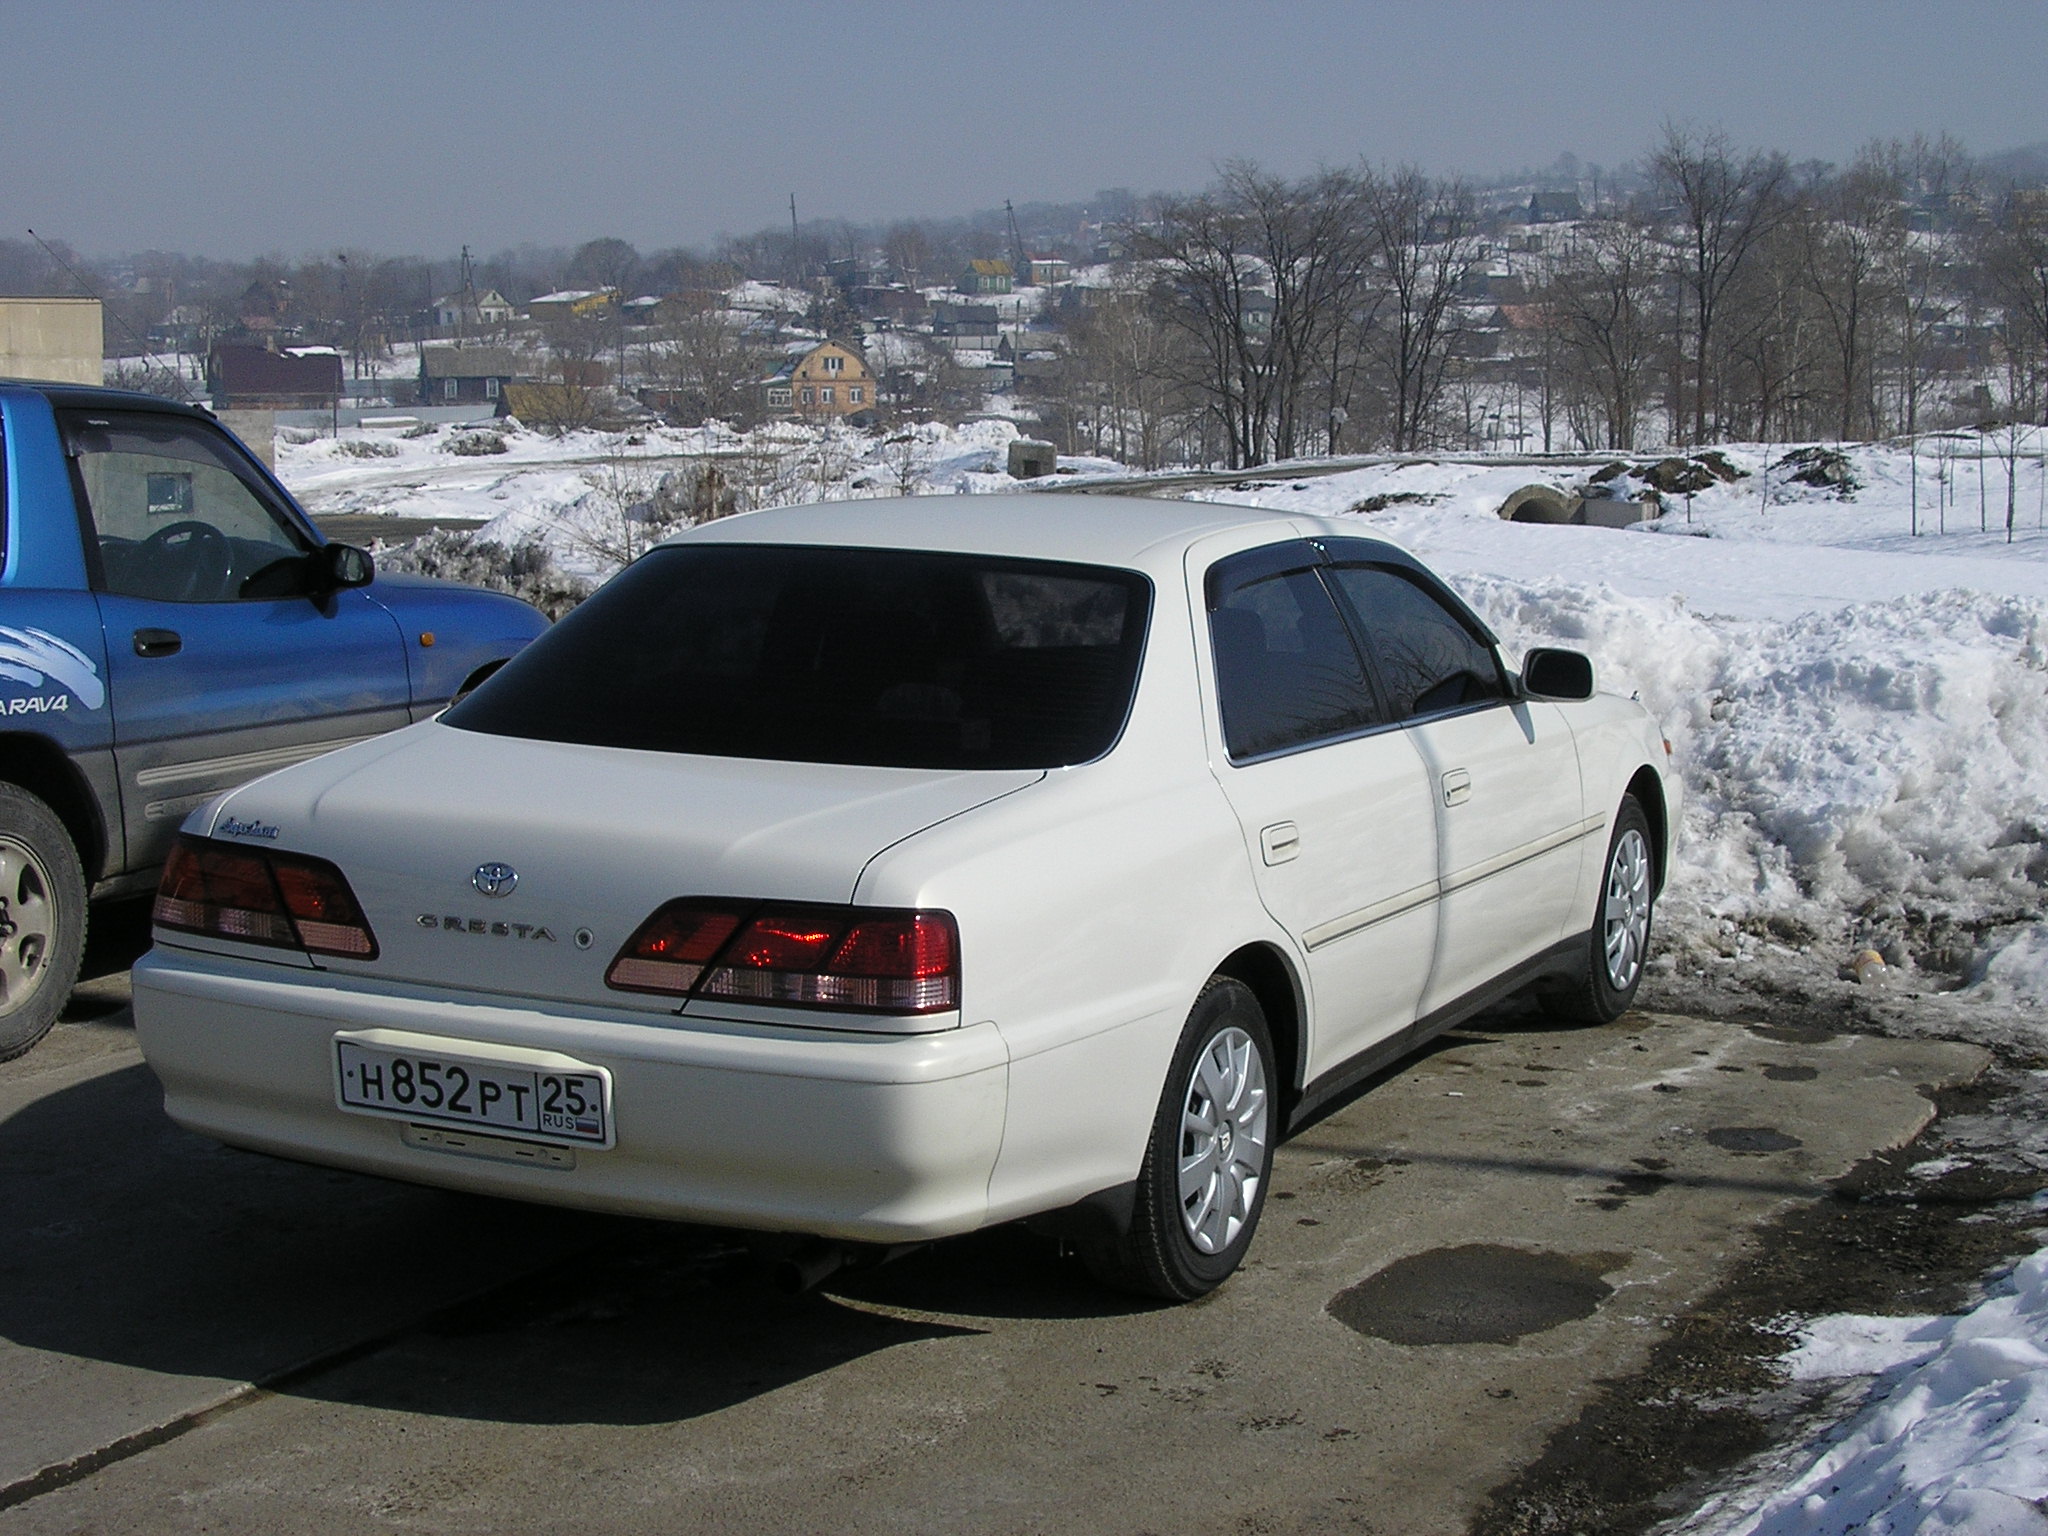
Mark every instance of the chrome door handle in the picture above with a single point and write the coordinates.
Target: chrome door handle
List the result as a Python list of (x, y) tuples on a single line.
[(158, 642), (1457, 787), (1279, 842)]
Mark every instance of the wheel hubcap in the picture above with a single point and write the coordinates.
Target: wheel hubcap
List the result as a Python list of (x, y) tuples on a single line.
[(1222, 1140), (1626, 911), (28, 923)]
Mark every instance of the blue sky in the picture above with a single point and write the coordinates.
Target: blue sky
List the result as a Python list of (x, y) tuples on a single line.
[(229, 129)]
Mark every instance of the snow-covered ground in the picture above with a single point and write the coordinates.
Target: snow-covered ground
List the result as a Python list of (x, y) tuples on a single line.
[(1954, 1439), (1860, 713)]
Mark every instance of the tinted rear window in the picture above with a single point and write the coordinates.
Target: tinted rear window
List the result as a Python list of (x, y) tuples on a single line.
[(823, 655)]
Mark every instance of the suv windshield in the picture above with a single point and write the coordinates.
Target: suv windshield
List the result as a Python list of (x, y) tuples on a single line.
[(889, 658)]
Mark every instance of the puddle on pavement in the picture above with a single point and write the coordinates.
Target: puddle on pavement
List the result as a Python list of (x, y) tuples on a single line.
[(1785, 1074), (1793, 1034), (1752, 1138), (1481, 1293)]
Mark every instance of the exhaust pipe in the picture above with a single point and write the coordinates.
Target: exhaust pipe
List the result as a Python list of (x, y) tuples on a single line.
[(818, 1260), (810, 1266)]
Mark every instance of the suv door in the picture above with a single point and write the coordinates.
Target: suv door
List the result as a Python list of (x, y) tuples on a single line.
[(1503, 774), (227, 654), (1332, 798)]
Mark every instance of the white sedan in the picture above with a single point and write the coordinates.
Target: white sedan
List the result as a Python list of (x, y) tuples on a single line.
[(881, 871)]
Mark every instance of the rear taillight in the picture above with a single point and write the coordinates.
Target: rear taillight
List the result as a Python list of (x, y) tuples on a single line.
[(862, 959), (257, 896)]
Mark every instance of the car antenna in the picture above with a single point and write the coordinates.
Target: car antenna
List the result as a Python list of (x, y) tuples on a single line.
[(148, 356)]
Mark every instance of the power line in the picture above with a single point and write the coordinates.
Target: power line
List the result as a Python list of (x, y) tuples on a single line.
[(148, 355)]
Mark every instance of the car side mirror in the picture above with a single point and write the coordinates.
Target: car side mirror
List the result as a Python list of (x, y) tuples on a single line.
[(344, 565), (1549, 672)]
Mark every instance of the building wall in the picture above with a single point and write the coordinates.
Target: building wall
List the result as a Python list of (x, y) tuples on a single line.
[(59, 339), (812, 378)]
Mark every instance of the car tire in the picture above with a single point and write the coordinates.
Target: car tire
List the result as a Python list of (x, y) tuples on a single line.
[(42, 919), (1618, 942), (1209, 1158)]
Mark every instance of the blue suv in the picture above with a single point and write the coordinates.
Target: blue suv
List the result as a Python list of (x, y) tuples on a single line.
[(171, 625)]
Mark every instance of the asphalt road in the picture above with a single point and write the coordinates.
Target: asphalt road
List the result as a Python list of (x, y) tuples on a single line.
[(197, 1339)]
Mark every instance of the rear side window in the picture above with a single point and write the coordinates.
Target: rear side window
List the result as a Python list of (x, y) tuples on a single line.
[(1430, 662), (1287, 672), (890, 658)]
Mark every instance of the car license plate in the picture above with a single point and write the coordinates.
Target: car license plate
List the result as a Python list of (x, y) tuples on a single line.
[(549, 1098)]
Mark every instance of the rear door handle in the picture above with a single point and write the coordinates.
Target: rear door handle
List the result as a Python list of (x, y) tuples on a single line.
[(158, 642), (1279, 842), (1457, 787)]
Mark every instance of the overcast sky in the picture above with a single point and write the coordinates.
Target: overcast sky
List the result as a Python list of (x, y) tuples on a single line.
[(230, 129)]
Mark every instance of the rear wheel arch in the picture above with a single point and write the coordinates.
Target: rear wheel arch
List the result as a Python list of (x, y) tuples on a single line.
[(1273, 981), (40, 767)]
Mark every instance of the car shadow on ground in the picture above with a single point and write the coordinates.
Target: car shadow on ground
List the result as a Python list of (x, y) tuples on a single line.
[(116, 936), (135, 1243)]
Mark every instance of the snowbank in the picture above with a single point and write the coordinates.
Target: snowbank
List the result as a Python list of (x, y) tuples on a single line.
[(1954, 1441)]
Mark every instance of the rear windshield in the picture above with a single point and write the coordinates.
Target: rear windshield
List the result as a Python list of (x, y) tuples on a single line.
[(889, 658)]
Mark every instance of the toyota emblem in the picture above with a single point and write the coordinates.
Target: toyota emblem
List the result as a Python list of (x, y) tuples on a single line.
[(495, 879)]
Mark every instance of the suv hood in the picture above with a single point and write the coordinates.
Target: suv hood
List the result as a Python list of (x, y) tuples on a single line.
[(599, 837)]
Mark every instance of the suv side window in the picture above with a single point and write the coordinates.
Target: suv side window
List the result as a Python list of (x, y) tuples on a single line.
[(1429, 660), (175, 516), (1287, 672)]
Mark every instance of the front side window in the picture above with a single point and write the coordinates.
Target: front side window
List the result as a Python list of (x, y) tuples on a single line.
[(1287, 672), (855, 394), (825, 395), (887, 658), (1429, 660), (177, 513), (448, 389)]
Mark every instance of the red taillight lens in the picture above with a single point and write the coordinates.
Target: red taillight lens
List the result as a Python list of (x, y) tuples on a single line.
[(285, 900), (866, 961), (672, 948)]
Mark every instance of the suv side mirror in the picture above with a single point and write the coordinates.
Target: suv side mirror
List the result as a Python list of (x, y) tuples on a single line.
[(344, 565), (1552, 673)]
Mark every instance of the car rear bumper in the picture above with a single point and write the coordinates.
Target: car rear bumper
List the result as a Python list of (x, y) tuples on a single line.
[(867, 1138)]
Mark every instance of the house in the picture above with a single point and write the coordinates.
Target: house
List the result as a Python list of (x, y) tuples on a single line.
[(240, 377), (986, 276), (262, 307), (484, 311), (1553, 208), (461, 375), (973, 326), (572, 304), (832, 379), (1041, 271)]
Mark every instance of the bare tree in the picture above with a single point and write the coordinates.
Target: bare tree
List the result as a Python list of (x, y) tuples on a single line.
[(1422, 254), (1602, 304), (1848, 232), (1723, 207), (1258, 276), (711, 359)]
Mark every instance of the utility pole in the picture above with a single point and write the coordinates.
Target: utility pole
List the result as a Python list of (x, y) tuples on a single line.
[(1021, 268), (466, 305), (795, 270)]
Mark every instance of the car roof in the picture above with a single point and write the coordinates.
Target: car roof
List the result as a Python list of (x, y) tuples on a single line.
[(1128, 531), (96, 397)]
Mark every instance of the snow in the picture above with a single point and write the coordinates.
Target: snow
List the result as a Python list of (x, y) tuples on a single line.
[(1955, 1439)]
